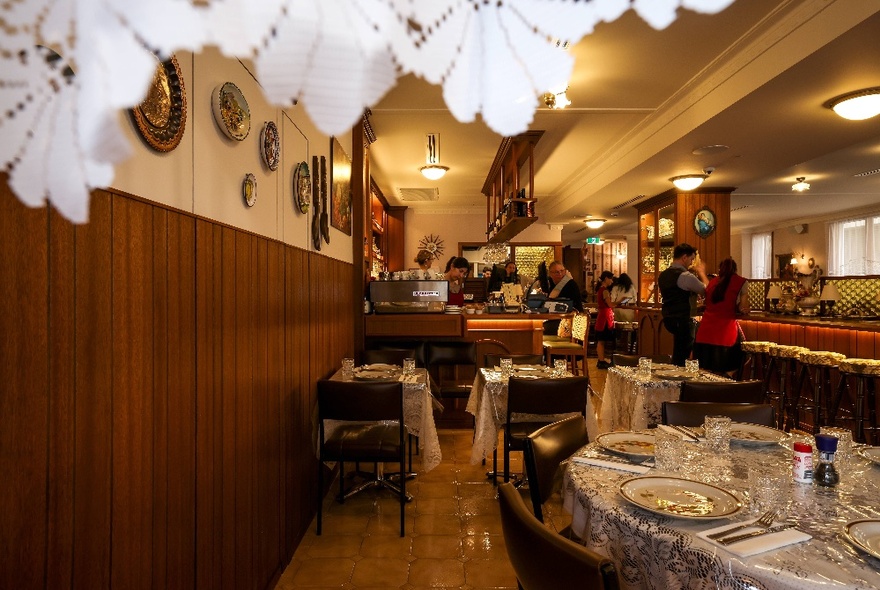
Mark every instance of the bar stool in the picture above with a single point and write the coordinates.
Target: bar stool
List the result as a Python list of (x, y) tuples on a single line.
[(628, 335), (755, 355), (815, 372), (863, 372), (783, 369)]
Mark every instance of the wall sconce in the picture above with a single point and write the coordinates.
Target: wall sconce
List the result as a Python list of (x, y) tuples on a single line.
[(433, 170), (556, 100), (858, 105), (830, 295), (801, 186), (774, 294)]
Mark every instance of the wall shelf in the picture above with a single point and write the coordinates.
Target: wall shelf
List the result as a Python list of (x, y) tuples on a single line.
[(510, 188)]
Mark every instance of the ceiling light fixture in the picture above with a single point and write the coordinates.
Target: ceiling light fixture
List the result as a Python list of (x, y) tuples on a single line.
[(688, 182), (433, 170), (858, 105), (801, 186), (594, 223), (556, 100)]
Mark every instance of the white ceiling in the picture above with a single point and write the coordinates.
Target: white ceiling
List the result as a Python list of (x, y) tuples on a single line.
[(753, 78)]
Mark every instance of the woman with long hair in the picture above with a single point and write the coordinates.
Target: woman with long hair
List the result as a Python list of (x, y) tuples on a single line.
[(456, 272), (623, 292), (717, 345)]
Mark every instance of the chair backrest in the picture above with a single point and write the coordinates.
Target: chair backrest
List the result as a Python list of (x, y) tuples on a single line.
[(547, 396), (743, 392), (416, 345), (391, 356), (359, 400), (632, 360), (580, 326), (694, 413), (542, 558), (494, 359), (545, 449), (451, 353)]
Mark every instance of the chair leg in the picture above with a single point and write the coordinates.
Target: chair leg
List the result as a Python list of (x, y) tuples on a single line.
[(320, 495), (506, 459)]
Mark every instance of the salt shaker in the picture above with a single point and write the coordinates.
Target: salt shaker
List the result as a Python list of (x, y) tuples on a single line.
[(825, 473), (802, 463)]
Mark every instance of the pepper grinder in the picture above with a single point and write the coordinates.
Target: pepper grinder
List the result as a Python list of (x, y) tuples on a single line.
[(825, 473)]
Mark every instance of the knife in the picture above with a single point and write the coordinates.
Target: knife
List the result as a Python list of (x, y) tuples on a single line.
[(743, 537), (682, 430)]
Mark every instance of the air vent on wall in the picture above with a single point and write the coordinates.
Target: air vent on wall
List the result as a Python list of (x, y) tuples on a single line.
[(867, 173), (419, 194)]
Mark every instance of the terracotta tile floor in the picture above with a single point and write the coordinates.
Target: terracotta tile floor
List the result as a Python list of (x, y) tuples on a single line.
[(453, 530)]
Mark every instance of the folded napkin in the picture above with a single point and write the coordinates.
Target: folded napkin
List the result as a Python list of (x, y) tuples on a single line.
[(610, 464), (676, 432), (756, 545)]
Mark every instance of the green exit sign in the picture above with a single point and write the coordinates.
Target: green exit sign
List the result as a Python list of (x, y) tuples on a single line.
[(596, 240)]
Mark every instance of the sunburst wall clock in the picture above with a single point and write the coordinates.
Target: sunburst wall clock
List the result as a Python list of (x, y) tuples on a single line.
[(432, 244)]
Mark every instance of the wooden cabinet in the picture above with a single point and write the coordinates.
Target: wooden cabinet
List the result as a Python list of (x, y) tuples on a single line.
[(510, 188), (700, 218), (383, 242)]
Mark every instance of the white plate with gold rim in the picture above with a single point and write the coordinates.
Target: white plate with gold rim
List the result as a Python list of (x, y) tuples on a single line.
[(636, 446), (865, 535), (872, 454), (679, 498)]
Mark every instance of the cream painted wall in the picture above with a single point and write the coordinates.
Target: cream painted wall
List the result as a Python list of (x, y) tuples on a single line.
[(459, 226), (204, 174), (811, 243)]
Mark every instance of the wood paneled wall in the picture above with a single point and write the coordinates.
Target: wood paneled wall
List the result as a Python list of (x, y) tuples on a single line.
[(157, 386)]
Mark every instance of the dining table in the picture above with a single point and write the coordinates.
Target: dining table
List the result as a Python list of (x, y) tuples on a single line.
[(418, 407), (488, 404), (633, 402), (616, 511)]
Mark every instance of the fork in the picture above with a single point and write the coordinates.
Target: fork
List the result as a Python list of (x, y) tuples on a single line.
[(765, 521)]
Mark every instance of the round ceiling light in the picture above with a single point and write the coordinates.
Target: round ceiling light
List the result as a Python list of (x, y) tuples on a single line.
[(688, 182), (434, 172), (858, 105)]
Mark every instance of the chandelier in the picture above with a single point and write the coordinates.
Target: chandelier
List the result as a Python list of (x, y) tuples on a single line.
[(496, 253)]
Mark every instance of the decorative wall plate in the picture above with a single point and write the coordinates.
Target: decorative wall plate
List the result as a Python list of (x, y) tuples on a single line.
[(231, 111), (249, 189), (302, 187), (270, 145), (161, 117)]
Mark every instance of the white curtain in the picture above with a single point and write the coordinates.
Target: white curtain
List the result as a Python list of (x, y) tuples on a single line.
[(762, 255), (854, 246)]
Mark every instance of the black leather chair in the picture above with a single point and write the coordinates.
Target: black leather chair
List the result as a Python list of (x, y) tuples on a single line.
[(375, 442), (741, 392), (632, 360), (544, 450), (694, 413), (494, 359), (539, 396), (543, 560), (391, 356)]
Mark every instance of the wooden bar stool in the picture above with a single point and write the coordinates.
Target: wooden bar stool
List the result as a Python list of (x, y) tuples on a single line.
[(782, 370), (815, 373), (756, 357), (863, 372)]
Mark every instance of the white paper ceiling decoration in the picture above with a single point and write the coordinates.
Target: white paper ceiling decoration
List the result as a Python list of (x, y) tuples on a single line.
[(336, 57)]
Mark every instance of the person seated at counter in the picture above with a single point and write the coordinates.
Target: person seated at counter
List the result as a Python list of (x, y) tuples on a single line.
[(507, 274), (562, 286), (456, 272)]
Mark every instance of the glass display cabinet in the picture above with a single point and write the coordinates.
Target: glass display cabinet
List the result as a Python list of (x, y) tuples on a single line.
[(656, 242)]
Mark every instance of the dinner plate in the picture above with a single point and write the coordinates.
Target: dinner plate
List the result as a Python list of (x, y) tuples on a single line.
[(872, 454), (374, 376), (755, 434), (674, 374), (680, 498), (381, 367), (865, 535), (636, 446)]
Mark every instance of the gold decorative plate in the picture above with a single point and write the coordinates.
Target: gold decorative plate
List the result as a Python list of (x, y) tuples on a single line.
[(249, 189), (161, 117), (231, 111)]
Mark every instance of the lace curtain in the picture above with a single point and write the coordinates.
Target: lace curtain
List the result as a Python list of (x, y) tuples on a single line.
[(59, 107)]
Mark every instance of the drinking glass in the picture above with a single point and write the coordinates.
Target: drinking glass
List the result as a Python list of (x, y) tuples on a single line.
[(717, 430), (768, 489), (560, 366), (644, 368), (506, 366), (347, 368), (692, 366), (409, 367), (668, 450)]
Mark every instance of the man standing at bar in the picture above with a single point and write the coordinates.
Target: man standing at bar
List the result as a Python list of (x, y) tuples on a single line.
[(679, 288)]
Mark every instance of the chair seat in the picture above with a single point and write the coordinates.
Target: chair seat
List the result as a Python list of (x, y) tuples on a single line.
[(456, 390), (370, 442)]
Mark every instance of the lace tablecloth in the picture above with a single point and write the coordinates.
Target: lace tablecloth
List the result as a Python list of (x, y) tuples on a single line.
[(657, 551), (629, 403), (488, 403), (418, 412)]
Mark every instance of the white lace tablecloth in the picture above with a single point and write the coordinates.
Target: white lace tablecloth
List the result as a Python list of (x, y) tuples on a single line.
[(629, 403), (488, 403), (418, 412), (658, 551)]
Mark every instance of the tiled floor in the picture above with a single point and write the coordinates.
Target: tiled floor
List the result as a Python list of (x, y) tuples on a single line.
[(453, 529)]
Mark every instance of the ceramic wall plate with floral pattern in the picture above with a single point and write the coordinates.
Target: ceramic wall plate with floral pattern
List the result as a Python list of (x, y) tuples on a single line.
[(231, 111), (270, 145), (249, 189), (302, 187)]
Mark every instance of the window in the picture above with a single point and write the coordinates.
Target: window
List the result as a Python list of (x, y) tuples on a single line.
[(854, 246), (762, 255)]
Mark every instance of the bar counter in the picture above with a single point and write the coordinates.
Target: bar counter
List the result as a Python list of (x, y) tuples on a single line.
[(854, 337), (520, 332)]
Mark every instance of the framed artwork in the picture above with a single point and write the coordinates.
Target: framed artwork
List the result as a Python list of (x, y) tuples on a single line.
[(704, 222), (340, 181)]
